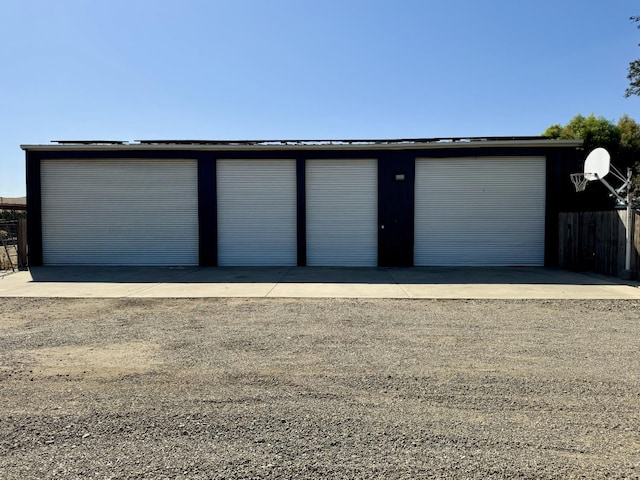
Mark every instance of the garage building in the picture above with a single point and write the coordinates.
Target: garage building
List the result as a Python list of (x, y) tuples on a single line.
[(407, 202)]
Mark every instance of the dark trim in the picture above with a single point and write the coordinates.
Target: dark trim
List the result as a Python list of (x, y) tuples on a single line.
[(307, 154), (551, 214), (301, 211), (207, 212), (34, 210), (118, 154), (396, 222)]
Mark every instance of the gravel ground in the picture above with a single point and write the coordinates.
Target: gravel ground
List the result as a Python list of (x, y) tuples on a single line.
[(298, 388)]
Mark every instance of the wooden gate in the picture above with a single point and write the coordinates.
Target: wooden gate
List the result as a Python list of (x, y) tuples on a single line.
[(595, 241)]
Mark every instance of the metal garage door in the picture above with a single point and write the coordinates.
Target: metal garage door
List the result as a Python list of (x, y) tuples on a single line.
[(342, 212), (480, 211), (256, 212), (119, 212)]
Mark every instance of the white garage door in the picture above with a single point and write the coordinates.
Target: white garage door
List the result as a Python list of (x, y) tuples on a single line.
[(480, 211), (256, 212), (342, 212), (119, 212)]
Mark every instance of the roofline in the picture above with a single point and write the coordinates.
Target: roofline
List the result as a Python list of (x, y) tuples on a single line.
[(262, 145), (13, 206)]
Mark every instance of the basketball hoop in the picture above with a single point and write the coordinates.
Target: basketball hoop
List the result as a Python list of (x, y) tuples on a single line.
[(579, 181), (597, 165)]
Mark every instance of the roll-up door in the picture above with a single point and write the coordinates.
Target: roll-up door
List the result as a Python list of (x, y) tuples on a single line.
[(256, 212), (342, 212), (480, 211), (119, 212)]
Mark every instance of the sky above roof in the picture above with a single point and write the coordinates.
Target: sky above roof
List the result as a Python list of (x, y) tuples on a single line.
[(280, 69)]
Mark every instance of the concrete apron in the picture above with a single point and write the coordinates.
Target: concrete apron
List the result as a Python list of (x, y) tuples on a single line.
[(314, 282)]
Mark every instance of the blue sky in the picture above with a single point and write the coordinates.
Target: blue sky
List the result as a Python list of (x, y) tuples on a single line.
[(286, 69)]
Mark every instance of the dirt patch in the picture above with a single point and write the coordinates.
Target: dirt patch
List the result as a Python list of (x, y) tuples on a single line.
[(96, 361)]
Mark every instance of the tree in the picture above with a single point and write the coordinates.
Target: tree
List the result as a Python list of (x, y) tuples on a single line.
[(11, 215), (622, 140), (633, 74), (629, 140), (594, 131)]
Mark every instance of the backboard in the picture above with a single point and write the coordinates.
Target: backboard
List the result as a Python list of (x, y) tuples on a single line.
[(596, 166)]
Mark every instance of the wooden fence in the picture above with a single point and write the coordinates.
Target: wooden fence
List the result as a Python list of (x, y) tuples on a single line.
[(22, 243), (13, 244), (595, 242)]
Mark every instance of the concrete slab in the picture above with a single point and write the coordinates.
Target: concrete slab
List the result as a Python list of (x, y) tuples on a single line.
[(515, 292), (110, 274), (219, 282), (494, 275), (510, 283), (10, 281), (310, 282), (86, 282), (338, 282), (337, 290)]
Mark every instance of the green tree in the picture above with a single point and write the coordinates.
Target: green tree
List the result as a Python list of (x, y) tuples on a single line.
[(629, 138), (622, 140), (12, 215), (629, 151), (633, 73), (594, 131), (554, 131)]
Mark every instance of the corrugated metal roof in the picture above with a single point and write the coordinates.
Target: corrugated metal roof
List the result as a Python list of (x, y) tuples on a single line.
[(296, 142), (398, 143)]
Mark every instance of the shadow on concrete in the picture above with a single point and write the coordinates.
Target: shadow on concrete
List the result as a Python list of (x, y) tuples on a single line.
[(313, 275)]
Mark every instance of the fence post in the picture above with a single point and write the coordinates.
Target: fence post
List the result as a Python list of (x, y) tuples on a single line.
[(22, 243), (636, 242)]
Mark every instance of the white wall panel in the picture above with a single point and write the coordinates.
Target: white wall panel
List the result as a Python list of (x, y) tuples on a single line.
[(480, 211), (342, 212), (256, 212), (119, 212)]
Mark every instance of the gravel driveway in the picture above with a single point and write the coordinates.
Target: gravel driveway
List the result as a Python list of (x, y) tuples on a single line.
[(299, 388)]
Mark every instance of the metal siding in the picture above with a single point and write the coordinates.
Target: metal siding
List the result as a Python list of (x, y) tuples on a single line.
[(342, 212), (256, 212), (480, 211), (119, 212)]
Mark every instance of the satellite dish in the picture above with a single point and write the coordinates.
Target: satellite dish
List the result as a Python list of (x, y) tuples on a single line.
[(596, 166)]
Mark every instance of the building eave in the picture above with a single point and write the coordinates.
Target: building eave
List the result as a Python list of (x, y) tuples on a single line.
[(296, 145)]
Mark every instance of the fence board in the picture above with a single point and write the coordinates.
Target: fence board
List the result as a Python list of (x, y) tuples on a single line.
[(22, 243), (596, 241), (635, 252)]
